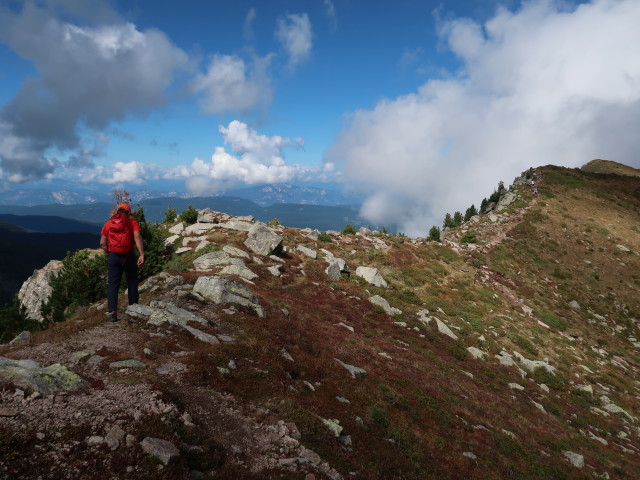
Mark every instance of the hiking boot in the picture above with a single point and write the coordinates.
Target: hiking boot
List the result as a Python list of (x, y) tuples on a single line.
[(112, 316)]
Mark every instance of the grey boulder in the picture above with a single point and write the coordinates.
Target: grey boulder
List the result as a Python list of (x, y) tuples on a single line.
[(263, 240), (222, 290)]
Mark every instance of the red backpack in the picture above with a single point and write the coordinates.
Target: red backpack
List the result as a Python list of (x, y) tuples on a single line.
[(120, 235)]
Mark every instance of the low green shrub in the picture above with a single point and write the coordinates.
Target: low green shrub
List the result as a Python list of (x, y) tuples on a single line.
[(349, 230), (378, 416), (553, 320), (82, 281), (324, 237), (469, 237), (189, 216)]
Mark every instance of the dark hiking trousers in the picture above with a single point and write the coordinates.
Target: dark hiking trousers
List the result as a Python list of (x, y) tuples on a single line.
[(116, 264)]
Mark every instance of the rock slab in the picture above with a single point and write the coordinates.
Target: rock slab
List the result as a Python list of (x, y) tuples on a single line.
[(222, 290)]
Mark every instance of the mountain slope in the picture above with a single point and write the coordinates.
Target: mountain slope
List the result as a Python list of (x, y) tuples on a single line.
[(21, 252), (513, 357)]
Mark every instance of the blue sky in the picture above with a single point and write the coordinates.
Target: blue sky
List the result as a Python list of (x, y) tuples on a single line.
[(420, 105)]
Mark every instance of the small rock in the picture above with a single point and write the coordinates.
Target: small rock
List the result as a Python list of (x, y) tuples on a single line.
[(284, 354), (23, 338), (95, 440), (356, 372), (307, 251), (476, 353), (127, 364), (576, 459), (114, 437), (161, 449)]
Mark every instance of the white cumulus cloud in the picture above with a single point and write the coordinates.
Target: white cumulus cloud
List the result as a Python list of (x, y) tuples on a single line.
[(543, 84), (230, 85), (253, 159), (136, 173), (294, 33)]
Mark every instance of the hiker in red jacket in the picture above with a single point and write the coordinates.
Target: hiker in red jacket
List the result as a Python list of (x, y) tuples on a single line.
[(118, 237)]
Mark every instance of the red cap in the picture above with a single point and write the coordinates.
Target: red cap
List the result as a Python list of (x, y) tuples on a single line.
[(125, 207)]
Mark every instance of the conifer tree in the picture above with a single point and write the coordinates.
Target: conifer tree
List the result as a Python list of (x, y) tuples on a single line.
[(434, 234), (457, 219), (448, 221), (471, 211)]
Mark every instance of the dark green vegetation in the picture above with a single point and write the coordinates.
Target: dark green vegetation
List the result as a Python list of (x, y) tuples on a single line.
[(13, 320)]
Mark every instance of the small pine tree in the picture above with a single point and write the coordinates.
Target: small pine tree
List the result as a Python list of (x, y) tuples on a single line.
[(448, 221), (170, 215), (189, 216), (138, 215), (484, 205), (434, 234), (457, 219), (471, 211)]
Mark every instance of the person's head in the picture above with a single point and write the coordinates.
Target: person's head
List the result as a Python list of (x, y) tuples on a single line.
[(124, 208)]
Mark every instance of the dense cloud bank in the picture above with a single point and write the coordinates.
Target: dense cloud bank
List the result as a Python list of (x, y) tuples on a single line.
[(541, 85)]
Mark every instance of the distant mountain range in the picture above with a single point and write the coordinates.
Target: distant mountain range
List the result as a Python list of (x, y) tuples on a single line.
[(321, 217), (263, 195)]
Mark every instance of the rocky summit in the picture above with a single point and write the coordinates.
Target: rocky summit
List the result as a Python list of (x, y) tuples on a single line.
[(510, 349)]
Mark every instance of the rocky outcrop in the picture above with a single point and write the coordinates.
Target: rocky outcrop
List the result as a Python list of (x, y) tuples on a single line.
[(37, 290), (506, 200), (208, 261), (222, 290), (263, 240)]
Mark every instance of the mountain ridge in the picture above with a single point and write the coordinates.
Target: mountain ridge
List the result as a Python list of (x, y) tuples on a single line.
[(509, 350)]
